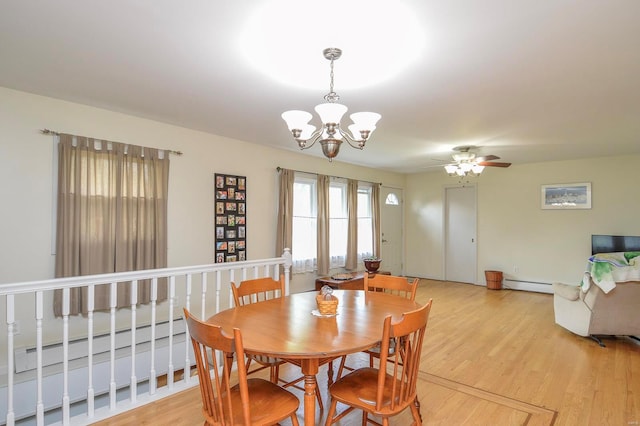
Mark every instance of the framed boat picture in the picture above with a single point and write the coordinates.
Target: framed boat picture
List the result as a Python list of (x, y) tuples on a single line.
[(566, 196)]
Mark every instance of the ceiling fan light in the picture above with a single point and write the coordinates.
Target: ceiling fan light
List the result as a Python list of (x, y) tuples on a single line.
[(451, 168), (466, 167), (296, 119), (330, 112), (477, 169), (463, 156), (460, 172)]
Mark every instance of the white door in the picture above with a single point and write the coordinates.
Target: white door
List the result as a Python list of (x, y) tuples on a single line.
[(391, 222), (460, 234)]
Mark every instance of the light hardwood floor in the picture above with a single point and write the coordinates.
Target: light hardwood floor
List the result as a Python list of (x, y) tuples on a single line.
[(490, 358)]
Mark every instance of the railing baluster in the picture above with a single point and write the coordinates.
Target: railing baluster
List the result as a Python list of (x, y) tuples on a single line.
[(39, 403), (152, 371), (218, 279), (204, 295), (172, 299), (113, 302), (287, 268), (90, 390), (11, 319), (65, 356), (187, 339), (232, 278), (134, 379)]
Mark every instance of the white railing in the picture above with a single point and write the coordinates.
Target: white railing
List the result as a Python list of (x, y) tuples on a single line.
[(81, 369)]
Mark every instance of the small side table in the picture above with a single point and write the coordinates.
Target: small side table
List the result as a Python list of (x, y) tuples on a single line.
[(356, 282)]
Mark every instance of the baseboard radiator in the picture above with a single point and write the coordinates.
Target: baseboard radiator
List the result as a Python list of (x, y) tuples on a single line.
[(535, 286), (52, 360), (52, 355)]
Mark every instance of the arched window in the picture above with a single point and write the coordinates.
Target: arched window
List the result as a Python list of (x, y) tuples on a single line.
[(392, 199)]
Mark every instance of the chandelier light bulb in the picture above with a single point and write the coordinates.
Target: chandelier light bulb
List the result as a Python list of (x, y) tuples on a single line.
[(296, 119), (330, 112)]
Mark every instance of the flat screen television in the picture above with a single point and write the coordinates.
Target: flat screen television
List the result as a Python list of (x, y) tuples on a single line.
[(614, 243)]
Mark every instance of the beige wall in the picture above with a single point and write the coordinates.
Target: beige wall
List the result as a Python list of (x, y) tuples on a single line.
[(26, 180), (513, 231)]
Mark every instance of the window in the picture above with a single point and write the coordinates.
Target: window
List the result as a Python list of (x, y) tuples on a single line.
[(365, 223), (338, 224), (304, 247), (392, 200), (305, 221)]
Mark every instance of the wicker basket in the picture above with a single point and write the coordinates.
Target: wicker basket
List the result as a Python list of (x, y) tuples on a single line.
[(327, 306)]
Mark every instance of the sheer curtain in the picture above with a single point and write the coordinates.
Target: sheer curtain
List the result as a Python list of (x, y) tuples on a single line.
[(323, 224), (111, 217), (352, 228), (375, 218)]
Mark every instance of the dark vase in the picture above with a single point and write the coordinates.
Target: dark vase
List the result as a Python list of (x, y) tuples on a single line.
[(372, 265)]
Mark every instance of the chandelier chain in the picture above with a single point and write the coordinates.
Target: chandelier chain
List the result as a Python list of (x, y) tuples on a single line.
[(331, 96)]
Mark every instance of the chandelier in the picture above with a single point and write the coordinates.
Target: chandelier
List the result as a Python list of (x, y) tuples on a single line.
[(330, 134), (464, 166)]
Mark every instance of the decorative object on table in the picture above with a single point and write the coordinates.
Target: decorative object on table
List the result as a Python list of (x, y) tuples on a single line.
[(231, 216), (566, 196), (330, 134), (327, 302), (372, 264), (494, 279), (342, 277)]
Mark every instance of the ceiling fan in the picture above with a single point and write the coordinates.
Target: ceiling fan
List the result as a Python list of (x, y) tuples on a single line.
[(466, 162)]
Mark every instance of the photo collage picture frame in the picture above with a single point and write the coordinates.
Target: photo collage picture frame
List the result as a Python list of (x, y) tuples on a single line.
[(231, 214)]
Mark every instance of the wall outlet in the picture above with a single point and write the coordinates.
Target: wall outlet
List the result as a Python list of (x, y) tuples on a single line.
[(16, 328), (516, 269)]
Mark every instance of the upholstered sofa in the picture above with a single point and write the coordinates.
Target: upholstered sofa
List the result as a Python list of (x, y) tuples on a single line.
[(607, 302), (594, 312)]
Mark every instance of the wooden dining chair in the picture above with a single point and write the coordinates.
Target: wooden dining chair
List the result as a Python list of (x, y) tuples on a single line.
[(250, 401), (255, 291), (387, 390), (392, 285)]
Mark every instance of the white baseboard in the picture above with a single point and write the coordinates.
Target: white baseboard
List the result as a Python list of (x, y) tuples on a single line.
[(527, 286)]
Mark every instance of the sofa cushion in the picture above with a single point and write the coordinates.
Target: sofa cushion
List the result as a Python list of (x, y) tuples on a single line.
[(566, 291)]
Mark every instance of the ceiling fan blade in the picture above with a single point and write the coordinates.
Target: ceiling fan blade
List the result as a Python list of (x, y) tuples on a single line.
[(440, 160), (493, 164), (487, 158)]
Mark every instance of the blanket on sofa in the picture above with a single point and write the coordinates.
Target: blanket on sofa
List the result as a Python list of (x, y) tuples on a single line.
[(605, 269)]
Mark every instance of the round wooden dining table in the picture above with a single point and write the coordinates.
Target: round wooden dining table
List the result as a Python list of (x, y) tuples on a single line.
[(288, 328)]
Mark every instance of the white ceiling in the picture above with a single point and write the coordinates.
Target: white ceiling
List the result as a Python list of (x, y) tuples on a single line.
[(525, 80)]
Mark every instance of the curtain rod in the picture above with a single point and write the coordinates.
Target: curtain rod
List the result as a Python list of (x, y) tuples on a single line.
[(53, 132), (339, 177)]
